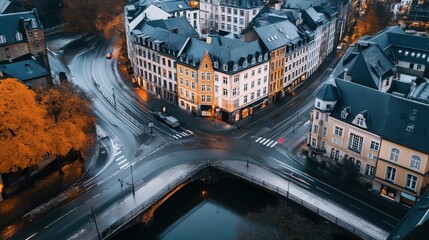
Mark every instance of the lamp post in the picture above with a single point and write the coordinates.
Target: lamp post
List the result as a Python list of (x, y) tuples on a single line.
[(288, 183), (114, 100), (95, 221), (132, 181)]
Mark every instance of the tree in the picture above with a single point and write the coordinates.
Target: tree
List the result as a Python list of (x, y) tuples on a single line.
[(23, 138), (90, 16), (56, 120)]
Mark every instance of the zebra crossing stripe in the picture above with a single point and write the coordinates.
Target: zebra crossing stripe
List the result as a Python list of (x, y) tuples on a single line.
[(257, 140), (176, 137), (124, 166), (268, 143), (264, 142), (117, 153), (183, 134), (189, 131), (119, 158), (119, 163), (275, 143)]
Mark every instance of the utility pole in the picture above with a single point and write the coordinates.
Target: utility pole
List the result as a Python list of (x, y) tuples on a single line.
[(95, 221)]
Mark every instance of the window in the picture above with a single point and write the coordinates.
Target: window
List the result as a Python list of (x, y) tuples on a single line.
[(337, 141), (245, 87), (203, 76), (411, 182), (225, 80), (374, 145), (203, 98), (180, 70), (203, 88), (18, 36), (208, 76), (370, 170), (216, 78), (394, 155), (209, 88), (234, 91), (415, 162), (225, 92), (236, 103), (209, 98), (193, 85), (252, 96), (316, 128), (245, 75), (372, 156), (236, 78), (338, 131), (193, 75), (390, 173), (325, 130), (245, 99), (252, 84), (186, 72), (187, 83), (355, 142)]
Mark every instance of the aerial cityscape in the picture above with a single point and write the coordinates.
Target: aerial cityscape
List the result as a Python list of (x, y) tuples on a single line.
[(214, 119)]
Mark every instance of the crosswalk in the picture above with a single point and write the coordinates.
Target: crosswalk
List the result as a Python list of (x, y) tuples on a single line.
[(120, 158), (266, 142), (182, 134)]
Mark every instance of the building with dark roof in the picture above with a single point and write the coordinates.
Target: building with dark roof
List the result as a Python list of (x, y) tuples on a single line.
[(378, 121), (22, 39)]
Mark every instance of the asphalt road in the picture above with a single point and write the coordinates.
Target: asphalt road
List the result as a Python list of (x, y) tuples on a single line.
[(124, 118)]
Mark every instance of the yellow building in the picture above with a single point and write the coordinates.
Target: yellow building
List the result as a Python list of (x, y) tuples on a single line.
[(196, 86), (277, 65)]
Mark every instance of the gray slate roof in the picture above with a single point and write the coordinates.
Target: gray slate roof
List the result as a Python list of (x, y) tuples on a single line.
[(328, 93), (182, 25), (278, 34), (173, 6), (10, 24), (25, 68), (387, 115)]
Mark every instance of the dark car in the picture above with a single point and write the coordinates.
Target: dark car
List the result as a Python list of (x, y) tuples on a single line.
[(160, 116)]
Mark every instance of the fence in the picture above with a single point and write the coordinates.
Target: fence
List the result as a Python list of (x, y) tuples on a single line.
[(294, 198)]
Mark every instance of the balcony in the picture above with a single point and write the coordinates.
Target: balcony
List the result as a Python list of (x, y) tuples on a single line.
[(316, 149)]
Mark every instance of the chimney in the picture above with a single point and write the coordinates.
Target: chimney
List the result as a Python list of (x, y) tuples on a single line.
[(209, 40), (175, 30)]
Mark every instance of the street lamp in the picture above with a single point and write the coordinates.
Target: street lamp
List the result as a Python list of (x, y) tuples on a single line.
[(95, 221), (114, 100), (288, 183), (132, 183)]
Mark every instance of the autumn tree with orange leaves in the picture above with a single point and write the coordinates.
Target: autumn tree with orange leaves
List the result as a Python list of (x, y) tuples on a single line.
[(31, 124), (93, 16)]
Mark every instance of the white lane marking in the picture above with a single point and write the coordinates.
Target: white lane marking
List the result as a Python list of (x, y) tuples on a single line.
[(96, 196), (175, 137), (257, 140), (119, 158), (115, 173), (268, 143), (100, 182), (124, 166), (323, 190), (60, 218), (183, 134), (117, 153), (275, 143), (31, 236), (189, 131), (265, 141), (119, 163)]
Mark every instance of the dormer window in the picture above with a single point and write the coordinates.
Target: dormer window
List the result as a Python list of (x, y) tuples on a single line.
[(2, 39), (413, 114), (245, 63), (410, 128), (234, 68), (360, 120), (18, 36), (266, 56), (253, 60), (33, 23), (216, 64), (260, 58), (225, 67), (345, 112)]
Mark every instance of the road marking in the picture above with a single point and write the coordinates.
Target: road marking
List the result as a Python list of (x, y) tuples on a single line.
[(275, 143), (189, 131), (60, 218), (323, 190), (388, 223), (257, 140), (265, 141), (119, 158), (358, 208), (175, 137), (115, 173), (31, 236), (269, 143), (96, 196), (183, 134), (117, 153), (100, 182), (119, 163), (124, 166)]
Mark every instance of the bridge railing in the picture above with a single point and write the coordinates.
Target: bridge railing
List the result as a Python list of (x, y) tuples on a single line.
[(286, 193)]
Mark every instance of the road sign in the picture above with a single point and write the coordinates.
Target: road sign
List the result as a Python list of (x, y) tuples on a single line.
[(281, 140)]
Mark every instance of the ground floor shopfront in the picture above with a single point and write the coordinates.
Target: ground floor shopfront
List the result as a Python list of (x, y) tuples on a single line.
[(394, 193)]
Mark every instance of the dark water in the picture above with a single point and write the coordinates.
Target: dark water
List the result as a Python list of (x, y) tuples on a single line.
[(203, 211), (219, 210)]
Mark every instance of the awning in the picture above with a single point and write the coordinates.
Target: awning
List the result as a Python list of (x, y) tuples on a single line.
[(408, 196)]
